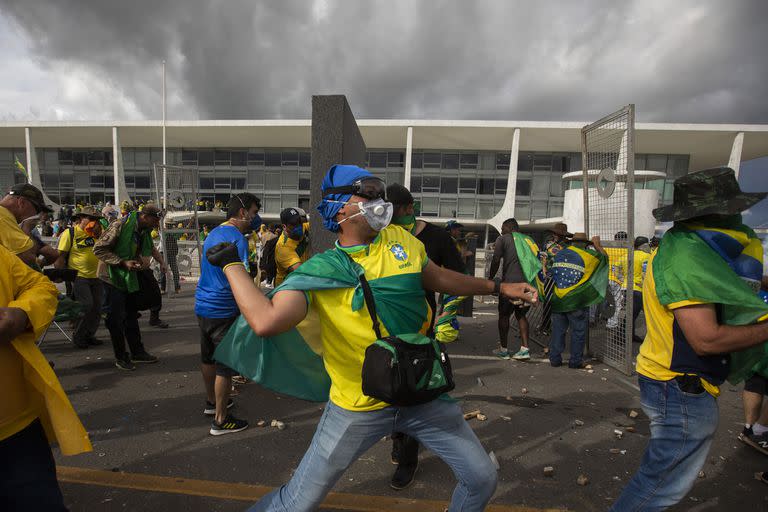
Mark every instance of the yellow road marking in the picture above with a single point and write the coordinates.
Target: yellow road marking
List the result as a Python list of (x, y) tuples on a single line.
[(252, 493)]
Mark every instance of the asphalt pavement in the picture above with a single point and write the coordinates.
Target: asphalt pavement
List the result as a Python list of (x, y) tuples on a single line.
[(152, 450)]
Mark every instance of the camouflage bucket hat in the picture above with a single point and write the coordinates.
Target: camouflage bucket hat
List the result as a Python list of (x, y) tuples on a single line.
[(707, 192)]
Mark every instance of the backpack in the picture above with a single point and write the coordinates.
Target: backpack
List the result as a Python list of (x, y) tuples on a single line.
[(267, 262)]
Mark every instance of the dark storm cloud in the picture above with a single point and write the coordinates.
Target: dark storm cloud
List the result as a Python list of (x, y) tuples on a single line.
[(678, 61)]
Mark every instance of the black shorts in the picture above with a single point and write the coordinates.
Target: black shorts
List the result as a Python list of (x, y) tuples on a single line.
[(756, 384), (212, 331), (507, 307)]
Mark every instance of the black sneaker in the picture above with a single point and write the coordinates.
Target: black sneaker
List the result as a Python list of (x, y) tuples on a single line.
[(404, 475), (95, 342), (144, 357), (156, 322), (230, 425), (746, 431), (125, 365), (759, 443), (210, 408)]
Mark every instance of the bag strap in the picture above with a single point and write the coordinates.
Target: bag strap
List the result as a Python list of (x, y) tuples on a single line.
[(71, 245), (370, 303)]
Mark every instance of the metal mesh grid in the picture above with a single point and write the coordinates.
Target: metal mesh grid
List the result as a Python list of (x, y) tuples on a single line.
[(608, 166), (175, 189)]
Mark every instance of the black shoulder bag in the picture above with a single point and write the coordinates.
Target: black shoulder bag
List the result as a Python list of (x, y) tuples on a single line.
[(404, 370)]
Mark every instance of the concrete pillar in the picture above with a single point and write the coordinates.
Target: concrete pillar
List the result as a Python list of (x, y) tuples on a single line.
[(408, 155), (734, 162), (336, 139), (508, 208), (33, 169), (121, 191)]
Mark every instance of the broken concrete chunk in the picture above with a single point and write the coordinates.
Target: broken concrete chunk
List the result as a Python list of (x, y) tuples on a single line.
[(633, 414), (618, 433), (588, 367), (590, 371), (615, 451), (630, 429), (261, 423), (702, 474), (470, 415), (506, 418), (482, 417), (549, 471), (578, 423), (582, 480), (480, 382), (524, 391), (273, 423)]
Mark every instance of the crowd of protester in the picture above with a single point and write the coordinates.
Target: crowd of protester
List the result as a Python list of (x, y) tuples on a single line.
[(701, 289)]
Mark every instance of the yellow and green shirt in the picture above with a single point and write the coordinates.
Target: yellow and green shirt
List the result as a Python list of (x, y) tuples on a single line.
[(288, 254), (640, 266), (395, 254), (81, 257), (655, 357), (617, 261)]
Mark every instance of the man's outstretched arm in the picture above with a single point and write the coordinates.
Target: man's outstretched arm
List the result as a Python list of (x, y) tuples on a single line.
[(447, 281)]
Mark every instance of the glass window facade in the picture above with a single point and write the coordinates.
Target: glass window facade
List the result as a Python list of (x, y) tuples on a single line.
[(469, 185)]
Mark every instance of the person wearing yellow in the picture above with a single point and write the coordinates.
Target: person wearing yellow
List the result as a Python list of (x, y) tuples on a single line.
[(23, 202), (641, 256), (76, 253), (354, 206), (35, 410), (704, 311), (617, 277), (292, 248)]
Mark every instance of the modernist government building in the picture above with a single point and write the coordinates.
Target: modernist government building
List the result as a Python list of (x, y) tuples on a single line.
[(455, 169)]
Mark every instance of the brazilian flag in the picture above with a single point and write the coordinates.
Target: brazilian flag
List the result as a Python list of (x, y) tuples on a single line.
[(720, 263), (527, 254), (581, 278), (291, 362)]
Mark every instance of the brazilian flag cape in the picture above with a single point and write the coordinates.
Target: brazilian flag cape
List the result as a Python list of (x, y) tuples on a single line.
[(291, 362), (717, 263), (581, 279), (527, 253)]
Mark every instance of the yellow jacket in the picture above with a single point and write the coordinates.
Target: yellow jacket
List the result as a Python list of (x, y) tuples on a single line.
[(22, 287)]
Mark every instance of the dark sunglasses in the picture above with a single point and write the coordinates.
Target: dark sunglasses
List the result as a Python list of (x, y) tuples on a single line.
[(369, 188)]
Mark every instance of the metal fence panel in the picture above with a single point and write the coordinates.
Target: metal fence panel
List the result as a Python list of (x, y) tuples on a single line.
[(175, 189), (608, 191)]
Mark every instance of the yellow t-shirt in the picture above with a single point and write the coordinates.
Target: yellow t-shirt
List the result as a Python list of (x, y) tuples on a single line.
[(617, 261), (81, 257), (11, 235), (640, 265), (345, 334), (655, 359), (289, 252)]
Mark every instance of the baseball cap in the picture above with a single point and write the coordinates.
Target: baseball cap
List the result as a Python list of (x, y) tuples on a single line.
[(32, 194), (290, 216)]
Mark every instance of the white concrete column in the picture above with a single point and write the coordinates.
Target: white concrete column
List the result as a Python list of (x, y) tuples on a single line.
[(408, 155), (508, 208), (33, 169), (734, 162), (121, 191)]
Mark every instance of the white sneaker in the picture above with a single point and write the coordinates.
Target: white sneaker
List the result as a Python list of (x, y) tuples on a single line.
[(522, 355)]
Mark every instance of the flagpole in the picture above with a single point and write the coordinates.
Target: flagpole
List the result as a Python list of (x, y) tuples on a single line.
[(165, 180)]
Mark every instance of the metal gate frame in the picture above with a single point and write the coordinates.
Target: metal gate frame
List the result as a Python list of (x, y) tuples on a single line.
[(162, 196), (617, 350)]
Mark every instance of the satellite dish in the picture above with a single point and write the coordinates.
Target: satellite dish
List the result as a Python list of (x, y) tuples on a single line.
[(176, 200)]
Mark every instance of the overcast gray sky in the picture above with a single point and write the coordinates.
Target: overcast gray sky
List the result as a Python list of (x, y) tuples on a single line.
[(678, 61)]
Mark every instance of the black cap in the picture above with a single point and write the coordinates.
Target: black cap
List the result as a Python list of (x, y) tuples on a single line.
[(398, 195), (32, 194), (452, 224), (290, 216)]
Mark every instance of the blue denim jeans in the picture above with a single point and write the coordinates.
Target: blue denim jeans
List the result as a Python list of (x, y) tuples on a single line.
[(578, 320), (682, 428), (342, 436)]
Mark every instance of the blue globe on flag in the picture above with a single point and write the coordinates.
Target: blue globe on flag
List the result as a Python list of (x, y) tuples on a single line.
[(568, 269)]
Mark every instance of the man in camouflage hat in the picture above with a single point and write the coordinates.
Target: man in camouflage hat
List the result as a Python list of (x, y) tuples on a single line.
[(702, 303)]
